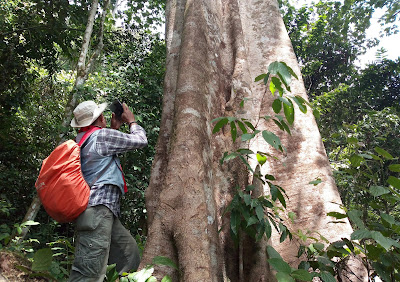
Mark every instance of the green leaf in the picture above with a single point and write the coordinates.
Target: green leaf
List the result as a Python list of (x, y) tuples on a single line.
[(352, 140), (277, 106), (142, 275), (272, 139), (315, 182), (302, 274), (162, 260), (377, 191), (285, 126), (394, 167), (151, 279), (273, 191), (355, 216), (30, 223), (381, 271), (260, 212), (385, 242), (388, 218), (281, 198), (245, 151), (316, 114), (252, 220), (269, 177), (327, 277), (219, 125), (284, 232), (383, 153), (284, 277), (250, 125), (394, 181), (260, 77), (247, 199), (361, 234), (266, 78), (272, 253), (300, 103), (268, 229), (112, 274), (375, 157), (337, 215), (283, 70), (290, 70), (247, 136), (261, 159), (289, 112), (235, 222), (274, 85), (166, 278), (280, 265), (242, 126), (286, 101), (356, 160), (286, 80), (42, 260), (278, 123), (273, 67), (228, 157), (233, 131)]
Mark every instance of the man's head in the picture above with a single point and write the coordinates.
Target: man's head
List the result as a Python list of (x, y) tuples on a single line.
[(87, 113)]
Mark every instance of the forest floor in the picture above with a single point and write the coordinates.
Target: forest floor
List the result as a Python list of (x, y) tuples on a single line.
[(10, 271)]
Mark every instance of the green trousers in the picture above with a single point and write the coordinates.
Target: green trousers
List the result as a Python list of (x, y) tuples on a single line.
[(102, 240)]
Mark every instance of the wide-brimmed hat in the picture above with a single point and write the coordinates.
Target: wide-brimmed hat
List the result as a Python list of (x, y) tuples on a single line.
[(86, 113)]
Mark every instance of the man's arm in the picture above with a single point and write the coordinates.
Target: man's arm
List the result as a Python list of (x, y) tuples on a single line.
[(112, 141)]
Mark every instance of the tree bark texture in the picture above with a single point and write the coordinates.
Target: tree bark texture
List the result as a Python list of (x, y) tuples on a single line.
[(215, 49)]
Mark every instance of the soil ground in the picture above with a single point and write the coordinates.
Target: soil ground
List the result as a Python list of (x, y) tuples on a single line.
[(9, 271)]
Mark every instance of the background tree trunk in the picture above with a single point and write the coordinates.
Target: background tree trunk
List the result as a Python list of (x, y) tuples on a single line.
[(215, 49)]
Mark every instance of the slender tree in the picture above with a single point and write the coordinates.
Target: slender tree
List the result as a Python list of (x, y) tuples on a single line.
[(83, 68), (215, 49)]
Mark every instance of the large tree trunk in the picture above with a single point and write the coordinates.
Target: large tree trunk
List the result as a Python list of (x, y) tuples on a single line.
[(215, 49)]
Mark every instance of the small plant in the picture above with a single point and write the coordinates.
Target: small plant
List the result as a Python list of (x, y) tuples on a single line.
[(256, 215), (144, 275)]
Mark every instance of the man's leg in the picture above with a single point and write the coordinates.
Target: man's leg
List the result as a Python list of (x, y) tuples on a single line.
[(94, 227), (123, 250)]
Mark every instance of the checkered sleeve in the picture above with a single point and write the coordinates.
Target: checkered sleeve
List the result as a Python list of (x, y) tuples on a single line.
[(111, 141)]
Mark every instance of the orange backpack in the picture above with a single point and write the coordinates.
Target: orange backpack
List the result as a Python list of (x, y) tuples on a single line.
[(61, 187)]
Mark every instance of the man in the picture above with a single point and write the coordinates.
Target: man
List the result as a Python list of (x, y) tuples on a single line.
[(101, 238)]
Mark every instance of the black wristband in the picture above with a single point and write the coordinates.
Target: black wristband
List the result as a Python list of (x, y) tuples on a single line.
[(131, 123)]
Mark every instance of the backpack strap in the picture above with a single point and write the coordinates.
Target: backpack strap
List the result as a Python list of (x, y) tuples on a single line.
[(87, 134)]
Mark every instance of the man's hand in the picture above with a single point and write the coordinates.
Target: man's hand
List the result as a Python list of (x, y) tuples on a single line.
[(127, 116)]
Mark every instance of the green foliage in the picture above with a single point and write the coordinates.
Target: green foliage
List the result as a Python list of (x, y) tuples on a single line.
[(39, 44), (251, 214), (34, 33), (376, 223), (327, 38), (391, 14), (256, 216), (143, 275)]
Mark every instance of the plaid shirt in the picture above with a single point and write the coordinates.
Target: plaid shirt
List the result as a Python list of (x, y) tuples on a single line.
[(111, 142)]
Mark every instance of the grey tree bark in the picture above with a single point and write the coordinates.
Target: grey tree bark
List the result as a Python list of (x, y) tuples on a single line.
[(215, 49)]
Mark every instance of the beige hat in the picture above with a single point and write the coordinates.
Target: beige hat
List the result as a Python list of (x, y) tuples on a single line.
[(86, 113)]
